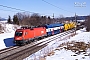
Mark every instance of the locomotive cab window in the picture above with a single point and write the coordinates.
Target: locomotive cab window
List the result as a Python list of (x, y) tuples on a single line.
[(18, 33)]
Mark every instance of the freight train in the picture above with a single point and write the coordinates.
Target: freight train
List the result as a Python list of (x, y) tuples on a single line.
[(25, 35)]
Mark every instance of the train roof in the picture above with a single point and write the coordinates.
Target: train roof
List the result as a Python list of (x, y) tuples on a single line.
[(29, 28), (53, 25)]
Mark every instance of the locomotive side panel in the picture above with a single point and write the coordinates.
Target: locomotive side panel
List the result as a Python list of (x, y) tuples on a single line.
[(39, 32), (28, 34)]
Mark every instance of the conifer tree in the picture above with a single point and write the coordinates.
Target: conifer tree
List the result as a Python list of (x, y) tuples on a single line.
[(15, 20), (9, 20)]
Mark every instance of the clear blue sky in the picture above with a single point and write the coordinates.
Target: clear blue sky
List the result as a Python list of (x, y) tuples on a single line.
[(39, 6)]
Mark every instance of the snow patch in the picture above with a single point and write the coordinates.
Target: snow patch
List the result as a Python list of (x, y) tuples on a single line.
[(6, 38)]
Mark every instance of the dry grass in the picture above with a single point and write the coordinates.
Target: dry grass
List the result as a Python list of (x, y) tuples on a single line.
[(77, 47), (51, 53), (42, 58)]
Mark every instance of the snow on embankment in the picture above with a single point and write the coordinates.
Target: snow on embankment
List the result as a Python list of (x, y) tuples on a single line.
[(82, 36), (77, 48), (6, 38), (8, 28)]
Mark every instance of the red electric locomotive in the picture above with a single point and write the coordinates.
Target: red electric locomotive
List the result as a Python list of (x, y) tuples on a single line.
[(25, 35)]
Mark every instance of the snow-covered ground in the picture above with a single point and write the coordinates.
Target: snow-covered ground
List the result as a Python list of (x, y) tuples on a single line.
[(72, 48), (6, 38), (69, 54), (8, 28), (52, 51)]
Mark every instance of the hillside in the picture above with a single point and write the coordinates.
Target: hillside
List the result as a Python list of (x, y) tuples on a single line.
[(7, 34), (7, 28)]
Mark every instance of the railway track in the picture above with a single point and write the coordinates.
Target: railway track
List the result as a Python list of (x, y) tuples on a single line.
[(24, 51), (8, 49)]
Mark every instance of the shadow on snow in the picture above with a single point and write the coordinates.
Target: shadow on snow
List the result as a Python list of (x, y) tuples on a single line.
[(9, 42)]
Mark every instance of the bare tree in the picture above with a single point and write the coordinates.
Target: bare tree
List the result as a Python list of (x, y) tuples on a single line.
[(33, 20), (43, 20)]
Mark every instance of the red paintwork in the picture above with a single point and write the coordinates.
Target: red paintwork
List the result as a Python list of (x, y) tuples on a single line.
[(30, 33)]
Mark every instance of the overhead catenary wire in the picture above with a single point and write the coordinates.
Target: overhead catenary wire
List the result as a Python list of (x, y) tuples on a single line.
[(60, 8), (34, 12), (8, 10), (17, 10), (57, 7)]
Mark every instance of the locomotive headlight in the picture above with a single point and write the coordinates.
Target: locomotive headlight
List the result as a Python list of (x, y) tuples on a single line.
[(17, 38)]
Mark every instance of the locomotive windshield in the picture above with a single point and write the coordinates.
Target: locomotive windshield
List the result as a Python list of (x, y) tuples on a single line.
[(18, 33)]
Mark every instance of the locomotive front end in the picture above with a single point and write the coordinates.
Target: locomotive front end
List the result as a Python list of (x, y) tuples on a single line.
[(18, 37)]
